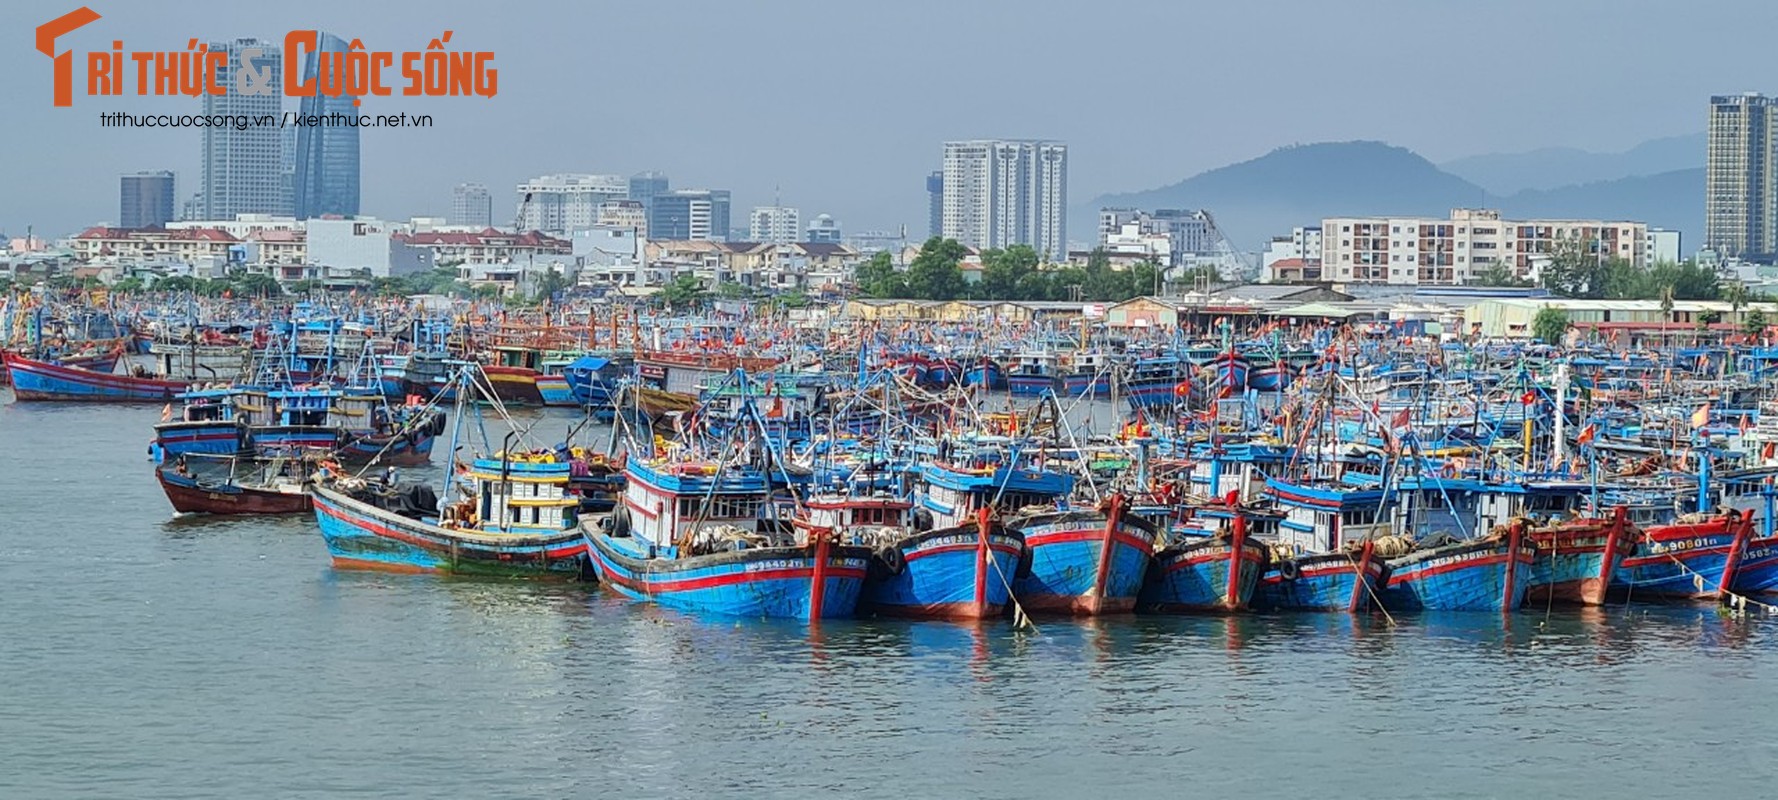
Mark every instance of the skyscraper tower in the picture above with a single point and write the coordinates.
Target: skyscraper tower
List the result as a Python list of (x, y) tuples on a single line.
[(239, 164), (1001, 192), (1740, 187), (326, 155)]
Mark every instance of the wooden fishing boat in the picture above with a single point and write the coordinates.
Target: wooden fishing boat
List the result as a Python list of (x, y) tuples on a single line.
[(1325, 557), (691, 536), (517, 520), (1207, 567), (1576, 560), (1490, 573), (1084, 562), (986, 373), (34, 380), (229, 485), (1695, 558), (962, 572)]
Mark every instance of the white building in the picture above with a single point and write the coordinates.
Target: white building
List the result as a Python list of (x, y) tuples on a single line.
[(368, 244), (1191, 234), (1458, 250), (999, 193), (1131, 240), (562, 204), (1293, 258), (775, 224), (472, 205), (623, 214), (1663, 246), (824, 230), (611, 254)]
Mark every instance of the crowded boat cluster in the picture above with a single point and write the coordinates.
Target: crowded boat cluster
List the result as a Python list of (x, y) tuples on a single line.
[(753, 465)]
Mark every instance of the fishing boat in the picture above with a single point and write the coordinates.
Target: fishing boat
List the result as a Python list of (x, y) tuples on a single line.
[(34, 380), (691, 535), (1576, 560), (986, 373), (1488, 573), (1210, 563), (359, 427), (962, 572), (203, 483), (1034, 375), (516, 519), (1696, 557), (1325, 553)]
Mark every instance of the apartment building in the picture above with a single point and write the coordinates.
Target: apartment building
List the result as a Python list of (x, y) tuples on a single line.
[(1457, 250)]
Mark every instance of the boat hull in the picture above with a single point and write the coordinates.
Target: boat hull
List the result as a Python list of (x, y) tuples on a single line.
[(1757, 572), (1681, 561), (1341, 581), (1032, 385), (1082, 564), (773, 582), (1197, 576), (189, 496), (950, 573), (39, 381), (1574, 565), (362, 536), (1484, 575)]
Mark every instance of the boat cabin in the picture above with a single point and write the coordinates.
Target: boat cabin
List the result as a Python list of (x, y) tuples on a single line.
[(671, 500), (525, 493)]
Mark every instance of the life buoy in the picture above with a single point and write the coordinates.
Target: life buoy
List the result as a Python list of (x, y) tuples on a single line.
[(1289, 571)]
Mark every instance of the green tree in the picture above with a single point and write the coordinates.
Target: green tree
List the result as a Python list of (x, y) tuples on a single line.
[(934, 274), (128, 285), (1754, 324), (1499, 274), (1735, 294), (879, 278), (729, 290), (176, 283), (258, 285), (1574, 270), (1002, 271), (1140, 279), (682, 292), (550, 282), (1549, 325)]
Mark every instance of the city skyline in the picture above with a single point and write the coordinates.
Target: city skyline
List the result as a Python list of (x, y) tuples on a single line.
[(498, 141)]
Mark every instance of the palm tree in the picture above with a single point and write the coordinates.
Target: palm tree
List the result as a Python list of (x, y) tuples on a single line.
[(1736, 294), (1666, 310)]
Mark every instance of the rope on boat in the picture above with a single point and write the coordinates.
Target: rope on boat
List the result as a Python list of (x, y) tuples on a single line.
[(1739, 602)]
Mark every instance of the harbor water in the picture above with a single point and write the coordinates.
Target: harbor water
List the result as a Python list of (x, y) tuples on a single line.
[(148, 656)]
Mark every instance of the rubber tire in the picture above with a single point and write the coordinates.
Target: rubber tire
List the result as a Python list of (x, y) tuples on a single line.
[(1289, 571), (892, 561)]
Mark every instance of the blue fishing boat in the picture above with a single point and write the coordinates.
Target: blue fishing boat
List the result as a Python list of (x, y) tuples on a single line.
[(696, 536), (1152, 382), (1696, 557), (1210, 562), (1491, 573), (1034, 375), (1083, 561), (986, 373), (961, 572), (1271, 378), (42, 380), (1576, 560), (358, 427), (1327, 558), (517, 520)]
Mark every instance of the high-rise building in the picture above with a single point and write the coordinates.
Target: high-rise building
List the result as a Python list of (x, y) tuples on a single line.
[(562, 204), (1005, 192), (145, 200), (683, 214), (1741, 177), (326, 155), (471, 204), (241, 166), (935, 204), (644, 186), (623, 214), (824, 230), (774, 224)]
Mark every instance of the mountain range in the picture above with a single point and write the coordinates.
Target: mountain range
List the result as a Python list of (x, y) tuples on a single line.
[(1299, 185)]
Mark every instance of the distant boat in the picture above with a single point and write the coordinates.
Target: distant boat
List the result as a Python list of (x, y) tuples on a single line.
[(43, 381)]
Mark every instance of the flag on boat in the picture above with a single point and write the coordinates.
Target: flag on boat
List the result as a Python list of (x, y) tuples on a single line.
[(167, 412), (1586, 434), (1701, 417)]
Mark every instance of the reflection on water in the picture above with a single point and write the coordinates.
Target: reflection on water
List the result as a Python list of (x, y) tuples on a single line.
[(151, 656)]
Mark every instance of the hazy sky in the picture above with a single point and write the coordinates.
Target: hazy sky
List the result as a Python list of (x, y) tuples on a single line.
[(842, 105)]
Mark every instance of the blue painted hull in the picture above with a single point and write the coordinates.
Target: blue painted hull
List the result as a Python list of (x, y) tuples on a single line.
[(1269, 379), (1071, 572), (1482, 575), (1195, 576), (35, 380), (1080, 383), (1031, 385), (1151, 393), (1682, 561), (776, 582), (361, 536), (986, 374), (1327, 582), (1757, 570), (948, 574)]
